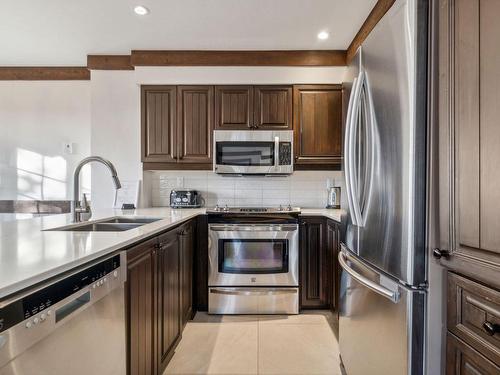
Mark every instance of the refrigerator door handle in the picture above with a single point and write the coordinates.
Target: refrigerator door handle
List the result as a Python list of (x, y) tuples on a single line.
[(352, 149), (371, 146), (377, 288), (347, 148)]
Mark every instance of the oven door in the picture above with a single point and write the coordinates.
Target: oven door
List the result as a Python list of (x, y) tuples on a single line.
[(252, 152), (253, 255)]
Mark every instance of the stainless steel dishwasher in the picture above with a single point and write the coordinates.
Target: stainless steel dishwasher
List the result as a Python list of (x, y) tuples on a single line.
[(72, 325)]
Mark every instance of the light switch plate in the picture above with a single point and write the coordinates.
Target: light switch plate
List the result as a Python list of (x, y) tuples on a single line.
[(180, 182), (68, 147)]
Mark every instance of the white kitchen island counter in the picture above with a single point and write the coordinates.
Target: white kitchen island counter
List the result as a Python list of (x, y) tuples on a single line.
[(29, 254)]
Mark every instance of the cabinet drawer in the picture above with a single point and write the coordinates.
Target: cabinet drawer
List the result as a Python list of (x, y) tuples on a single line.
[(474, 315), (461, 359)]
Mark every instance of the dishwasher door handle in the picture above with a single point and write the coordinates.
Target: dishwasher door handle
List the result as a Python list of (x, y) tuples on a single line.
[(377, 288)]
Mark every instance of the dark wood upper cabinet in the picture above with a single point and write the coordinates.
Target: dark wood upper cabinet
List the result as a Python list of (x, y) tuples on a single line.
[(273, 107), (233, 107), (469, 134), (317, 126), (195, 118), (140, 308), (169, 324), (158, 124), (314, 264)]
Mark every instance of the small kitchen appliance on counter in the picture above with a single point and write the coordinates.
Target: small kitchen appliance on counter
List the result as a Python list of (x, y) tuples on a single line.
[(333, 197), (253, 263), (185, 199)]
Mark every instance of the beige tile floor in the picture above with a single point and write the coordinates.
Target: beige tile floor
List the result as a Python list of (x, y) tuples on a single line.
[(304, 344)]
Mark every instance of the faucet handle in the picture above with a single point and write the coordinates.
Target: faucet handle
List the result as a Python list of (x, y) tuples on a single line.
[(85, 211), (85, 203)]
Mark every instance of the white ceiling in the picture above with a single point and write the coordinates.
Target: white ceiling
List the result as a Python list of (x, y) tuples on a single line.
[(63, 32)]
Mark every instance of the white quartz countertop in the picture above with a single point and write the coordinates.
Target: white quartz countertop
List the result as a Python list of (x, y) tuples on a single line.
[(30, 255)]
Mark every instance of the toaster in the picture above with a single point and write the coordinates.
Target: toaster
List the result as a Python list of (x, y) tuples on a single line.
[(184, 198)]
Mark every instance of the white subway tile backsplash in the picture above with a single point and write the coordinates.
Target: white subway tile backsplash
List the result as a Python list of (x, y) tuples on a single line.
[(302, 188)]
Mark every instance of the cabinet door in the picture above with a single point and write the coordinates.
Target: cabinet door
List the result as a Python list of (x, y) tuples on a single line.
[(332, 244), (318, 126), (158, 124), (187, 257), (140, 308), (233, 107), (168, 298), (195, 105), (314, 280), (469, 136), (461, 359), (273, 107)]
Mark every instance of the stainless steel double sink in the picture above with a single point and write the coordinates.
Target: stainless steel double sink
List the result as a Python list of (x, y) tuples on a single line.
[(114, 224)]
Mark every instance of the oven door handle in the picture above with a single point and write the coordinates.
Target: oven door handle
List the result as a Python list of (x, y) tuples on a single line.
[(252, 292), (254, 228)]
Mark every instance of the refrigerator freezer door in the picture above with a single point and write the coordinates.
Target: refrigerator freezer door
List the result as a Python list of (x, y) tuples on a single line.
[(379, 334), (388, 145)]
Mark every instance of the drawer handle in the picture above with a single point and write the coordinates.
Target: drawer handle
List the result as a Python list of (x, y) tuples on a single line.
[(491, 328), (438, 253)]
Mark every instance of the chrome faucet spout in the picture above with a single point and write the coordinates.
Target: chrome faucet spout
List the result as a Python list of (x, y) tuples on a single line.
[(77, 209)]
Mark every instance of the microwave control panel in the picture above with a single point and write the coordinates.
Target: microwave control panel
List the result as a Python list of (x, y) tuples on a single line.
[(285, 153)]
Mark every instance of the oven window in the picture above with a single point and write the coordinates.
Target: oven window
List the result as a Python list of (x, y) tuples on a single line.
[(245, 153), (253, 256)]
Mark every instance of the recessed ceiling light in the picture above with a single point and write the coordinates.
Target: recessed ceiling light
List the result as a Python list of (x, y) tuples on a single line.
[(323, 35), (141, 10)]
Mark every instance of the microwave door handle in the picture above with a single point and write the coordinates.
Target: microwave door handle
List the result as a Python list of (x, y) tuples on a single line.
[(276, 151)]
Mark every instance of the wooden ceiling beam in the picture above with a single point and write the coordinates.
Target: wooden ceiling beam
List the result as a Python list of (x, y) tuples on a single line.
[(109, 62), (239, 58), (56, 73), (378, 11)]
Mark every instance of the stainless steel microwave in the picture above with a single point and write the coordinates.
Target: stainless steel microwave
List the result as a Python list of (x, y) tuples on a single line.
[(258, 152)]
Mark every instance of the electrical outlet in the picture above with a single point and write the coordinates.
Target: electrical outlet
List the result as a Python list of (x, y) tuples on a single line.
[(68, 148), (180, 182)]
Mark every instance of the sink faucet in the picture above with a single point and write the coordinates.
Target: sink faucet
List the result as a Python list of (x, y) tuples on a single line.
[(81, 210)]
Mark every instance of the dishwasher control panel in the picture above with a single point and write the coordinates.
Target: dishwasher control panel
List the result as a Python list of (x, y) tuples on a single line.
[(37, 305)]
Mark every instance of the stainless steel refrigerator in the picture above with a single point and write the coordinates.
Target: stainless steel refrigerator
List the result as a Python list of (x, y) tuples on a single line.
[(383, 258)]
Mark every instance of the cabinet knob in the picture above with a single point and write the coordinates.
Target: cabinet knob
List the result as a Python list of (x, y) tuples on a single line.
[(438, 253), (491, 328)]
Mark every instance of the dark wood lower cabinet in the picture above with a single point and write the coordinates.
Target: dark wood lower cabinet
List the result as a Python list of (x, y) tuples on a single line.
[(159, 298), (140, 308), (318, 263), (169, 320), (186, 268), (332, 247), (461, 359)]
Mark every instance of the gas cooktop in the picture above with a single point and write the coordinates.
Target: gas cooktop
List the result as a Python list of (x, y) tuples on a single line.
[(253, 210)]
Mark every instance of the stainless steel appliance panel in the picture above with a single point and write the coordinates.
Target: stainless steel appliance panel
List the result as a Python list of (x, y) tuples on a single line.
[(266, 233), (385, 142), (262, 152), (253, 300), (81, 334), (381, 322)]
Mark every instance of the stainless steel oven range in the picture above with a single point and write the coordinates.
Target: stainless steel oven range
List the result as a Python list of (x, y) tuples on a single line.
[(253, 261)]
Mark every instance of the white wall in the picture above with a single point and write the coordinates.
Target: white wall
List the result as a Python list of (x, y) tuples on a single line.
[(36, 119), (115, 111)]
